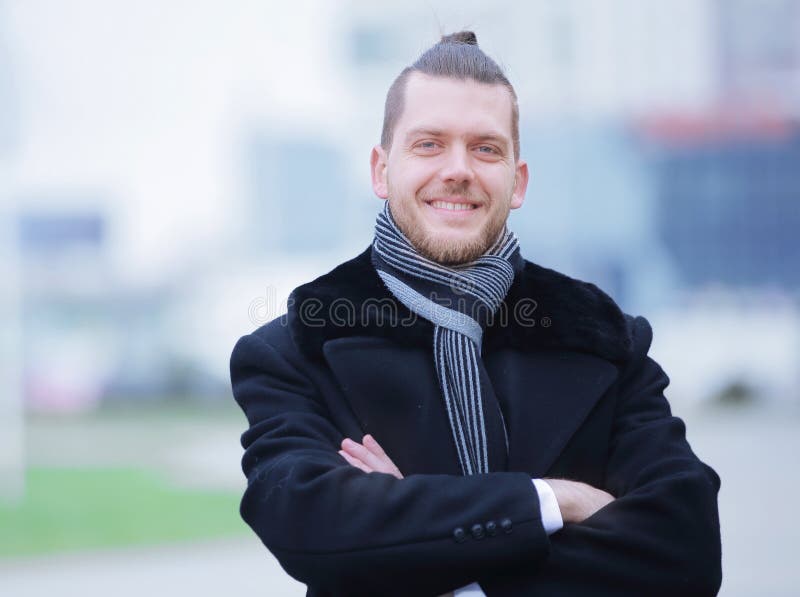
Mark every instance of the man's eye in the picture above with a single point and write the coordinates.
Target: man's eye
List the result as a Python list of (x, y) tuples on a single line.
[(487, 149), (427, 145)]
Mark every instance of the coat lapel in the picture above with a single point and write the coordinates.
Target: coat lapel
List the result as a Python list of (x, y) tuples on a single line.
[(393, 391), (545, 397)]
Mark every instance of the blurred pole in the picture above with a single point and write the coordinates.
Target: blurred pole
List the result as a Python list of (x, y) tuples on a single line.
[(12, 457)]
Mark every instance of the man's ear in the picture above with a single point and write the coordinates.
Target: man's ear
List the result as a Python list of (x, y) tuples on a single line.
[(520, 184), (378, 162)]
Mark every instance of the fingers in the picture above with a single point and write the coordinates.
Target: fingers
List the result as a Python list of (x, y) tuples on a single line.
[(387, 465), (361, 453), (370, 455), (355, 462), (373, 446)]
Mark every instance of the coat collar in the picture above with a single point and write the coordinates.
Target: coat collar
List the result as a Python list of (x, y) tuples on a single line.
[(556, 311)]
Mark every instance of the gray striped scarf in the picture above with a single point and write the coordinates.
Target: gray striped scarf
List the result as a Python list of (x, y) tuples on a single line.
[(459, 300)]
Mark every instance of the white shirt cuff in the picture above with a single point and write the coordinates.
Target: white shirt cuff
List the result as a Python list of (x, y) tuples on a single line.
[(473, 590), (548, 504)]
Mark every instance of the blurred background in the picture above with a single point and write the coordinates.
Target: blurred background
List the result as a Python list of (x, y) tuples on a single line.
[(170, 171)]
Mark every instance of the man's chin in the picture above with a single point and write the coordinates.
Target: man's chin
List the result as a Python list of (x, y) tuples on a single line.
[(451, 253), (446, 245)]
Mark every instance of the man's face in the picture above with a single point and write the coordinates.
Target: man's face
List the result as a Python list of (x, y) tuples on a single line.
[(450, 175)]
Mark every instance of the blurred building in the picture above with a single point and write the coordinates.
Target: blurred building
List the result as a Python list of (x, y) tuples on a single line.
[(661, 138), (758, 45), (297, 195), (728, 201), (65, 289)]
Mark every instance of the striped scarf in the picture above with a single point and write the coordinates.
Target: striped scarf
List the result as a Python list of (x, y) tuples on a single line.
[(460, 301)]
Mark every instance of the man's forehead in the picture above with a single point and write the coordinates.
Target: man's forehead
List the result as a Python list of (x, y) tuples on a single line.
[(419, 86), (442, 103)]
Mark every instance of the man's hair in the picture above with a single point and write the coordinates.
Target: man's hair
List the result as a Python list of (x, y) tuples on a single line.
[(456, 56)]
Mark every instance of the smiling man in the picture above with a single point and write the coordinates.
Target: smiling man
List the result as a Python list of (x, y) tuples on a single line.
[(449, 164), (440, 415)]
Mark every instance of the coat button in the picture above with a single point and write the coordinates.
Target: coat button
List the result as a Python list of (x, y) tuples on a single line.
[(477, 531), (491, 528), (506, 525), (459, 535)]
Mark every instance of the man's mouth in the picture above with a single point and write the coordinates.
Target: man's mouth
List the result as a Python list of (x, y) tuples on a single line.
[(452, 205)]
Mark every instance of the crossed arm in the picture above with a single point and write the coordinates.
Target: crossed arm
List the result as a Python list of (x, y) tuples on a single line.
[(345, 532), (577, 501)]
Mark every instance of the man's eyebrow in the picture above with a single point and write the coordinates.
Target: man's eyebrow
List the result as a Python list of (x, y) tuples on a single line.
[(492, 136), (424, 132), (495, 137)]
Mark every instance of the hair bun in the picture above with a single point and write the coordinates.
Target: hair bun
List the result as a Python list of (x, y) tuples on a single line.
[(462, 37)]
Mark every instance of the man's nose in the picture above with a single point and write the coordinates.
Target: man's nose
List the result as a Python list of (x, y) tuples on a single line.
[(457, 166)]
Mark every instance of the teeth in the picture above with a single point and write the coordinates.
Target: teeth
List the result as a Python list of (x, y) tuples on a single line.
[(451, 206)]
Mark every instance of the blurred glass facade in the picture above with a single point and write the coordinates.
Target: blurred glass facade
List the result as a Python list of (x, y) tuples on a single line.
[(729, 209), (662, 140)]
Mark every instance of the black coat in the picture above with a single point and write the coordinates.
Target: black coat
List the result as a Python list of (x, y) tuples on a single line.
[(581, 400)]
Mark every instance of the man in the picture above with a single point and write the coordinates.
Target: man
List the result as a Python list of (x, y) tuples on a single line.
[(439, 414)]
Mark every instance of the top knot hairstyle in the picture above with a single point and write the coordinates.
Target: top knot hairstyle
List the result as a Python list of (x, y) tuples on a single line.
[(461, 37), (456, 56)]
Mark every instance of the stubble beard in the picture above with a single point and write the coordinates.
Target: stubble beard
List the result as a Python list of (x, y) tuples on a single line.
[(447, 251)]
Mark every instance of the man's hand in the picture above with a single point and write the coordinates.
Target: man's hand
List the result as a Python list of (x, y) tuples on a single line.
[(369, 457), (578, 501)]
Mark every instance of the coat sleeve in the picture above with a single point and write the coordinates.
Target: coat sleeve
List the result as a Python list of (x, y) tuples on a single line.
[(345, 532), (661, 535)]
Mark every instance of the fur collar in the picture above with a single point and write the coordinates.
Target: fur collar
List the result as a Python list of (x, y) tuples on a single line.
[(556, 310)]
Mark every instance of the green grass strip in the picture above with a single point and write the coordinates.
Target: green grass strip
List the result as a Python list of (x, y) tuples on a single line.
[(73, 509)]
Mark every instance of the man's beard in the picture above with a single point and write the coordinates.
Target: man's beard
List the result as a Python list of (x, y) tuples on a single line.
[(449, 251)]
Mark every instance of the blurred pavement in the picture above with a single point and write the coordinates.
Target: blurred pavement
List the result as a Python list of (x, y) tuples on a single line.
[(752, 448), (238, 567)]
